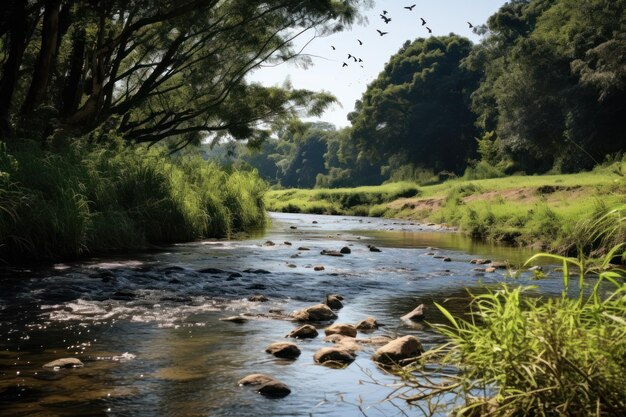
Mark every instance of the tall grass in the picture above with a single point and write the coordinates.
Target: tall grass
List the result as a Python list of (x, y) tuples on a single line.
[(86, 199), (520, 355)]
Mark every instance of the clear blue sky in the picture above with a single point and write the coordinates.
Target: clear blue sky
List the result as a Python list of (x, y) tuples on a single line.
[(349, 83)]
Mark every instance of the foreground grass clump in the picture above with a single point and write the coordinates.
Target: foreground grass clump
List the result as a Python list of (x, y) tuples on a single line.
[(520, 355), (86, 199)]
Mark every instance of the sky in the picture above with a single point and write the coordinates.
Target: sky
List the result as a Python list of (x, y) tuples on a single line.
[(348, 84)]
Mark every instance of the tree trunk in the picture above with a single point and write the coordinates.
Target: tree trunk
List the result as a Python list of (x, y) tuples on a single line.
[(72, 92), (10, 72), (45, 60)]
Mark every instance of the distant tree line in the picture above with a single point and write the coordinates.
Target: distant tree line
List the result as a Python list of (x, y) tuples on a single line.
[(544, 90)]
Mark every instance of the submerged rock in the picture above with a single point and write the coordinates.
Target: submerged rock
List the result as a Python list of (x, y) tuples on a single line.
[(306, 331), (373, 248), (499, 265), (342, 329), (211, 271), (319, 268), (303, 248), (480, 261), (334, 302), (399, 351), (258, 298), (235, 319), (285, 350), (317, 312), (269, 243), (65, 363), (331, 253), (368, 324), (416, 314), (335, 355)]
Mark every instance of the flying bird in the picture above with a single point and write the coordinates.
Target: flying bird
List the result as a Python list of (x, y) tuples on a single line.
[(410, 8), (429, 31), (386, 19), (333, 47), (423, 21), (470, 25), (349, 56), (384, 12), (354, 58), (344, 65), (360, 60), (360, 42), (381, 33)]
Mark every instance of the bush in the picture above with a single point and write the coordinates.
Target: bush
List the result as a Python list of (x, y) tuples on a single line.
[(521, 355), (91, 199)]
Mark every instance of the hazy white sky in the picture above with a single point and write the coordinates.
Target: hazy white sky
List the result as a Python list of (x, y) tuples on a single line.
[(349, 83)]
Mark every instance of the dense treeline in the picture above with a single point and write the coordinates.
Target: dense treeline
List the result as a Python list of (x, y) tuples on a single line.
[(545, 90)]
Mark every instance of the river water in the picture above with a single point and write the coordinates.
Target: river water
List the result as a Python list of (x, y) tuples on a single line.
[(147, 326)]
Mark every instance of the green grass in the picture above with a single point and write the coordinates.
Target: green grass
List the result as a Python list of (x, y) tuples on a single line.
[(87, 200), (521, 355), (527, 210)]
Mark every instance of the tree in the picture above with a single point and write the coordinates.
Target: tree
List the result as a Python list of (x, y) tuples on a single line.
[(155, 69), (418, 108)]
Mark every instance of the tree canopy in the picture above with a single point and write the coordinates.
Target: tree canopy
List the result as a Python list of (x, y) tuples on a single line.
[(152, 70), (417, 110)]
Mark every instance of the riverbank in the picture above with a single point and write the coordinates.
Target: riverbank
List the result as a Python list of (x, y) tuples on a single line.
[(65, 201), (539, 211)]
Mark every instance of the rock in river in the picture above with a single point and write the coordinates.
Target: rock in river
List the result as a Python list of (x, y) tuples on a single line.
[(65, 363), (305, 331), (259, 298), (235, 319), (399, 351), (337, 356), (319, 268), (368, 324), (345, 250), (416, 314), (267, 385), (285, 350), (340, 328), (334, 302), (331, 253), (317, 312), (373, 248)]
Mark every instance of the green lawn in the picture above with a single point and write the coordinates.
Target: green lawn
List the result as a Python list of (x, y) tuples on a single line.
[(527, 210)]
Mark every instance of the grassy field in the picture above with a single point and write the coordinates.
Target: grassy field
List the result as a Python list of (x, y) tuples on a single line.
[(542, 211)]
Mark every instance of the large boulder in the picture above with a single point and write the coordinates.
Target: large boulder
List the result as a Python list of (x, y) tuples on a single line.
[(416, 314), (317, 312), (345, 250), (334, 301), (399, 351), (285, 350), (267, 385), (65, 363), (306, 331), (342, 329), (335, 355), (367, 324)]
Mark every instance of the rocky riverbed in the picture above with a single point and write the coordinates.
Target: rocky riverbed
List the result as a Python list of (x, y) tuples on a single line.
[(175, 332)]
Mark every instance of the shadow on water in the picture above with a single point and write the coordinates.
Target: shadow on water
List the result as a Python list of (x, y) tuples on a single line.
[(147, 326)]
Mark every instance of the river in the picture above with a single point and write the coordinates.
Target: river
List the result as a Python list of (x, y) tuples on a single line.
[(147, 326)]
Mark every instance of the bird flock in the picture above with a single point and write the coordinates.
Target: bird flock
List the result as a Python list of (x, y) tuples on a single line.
[(386, 17)]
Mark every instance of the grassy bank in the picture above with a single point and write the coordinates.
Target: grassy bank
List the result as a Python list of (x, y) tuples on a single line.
[(78, 200), (527, 210)]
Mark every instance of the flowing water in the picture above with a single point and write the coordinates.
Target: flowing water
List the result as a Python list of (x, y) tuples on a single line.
[(148, 331)]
